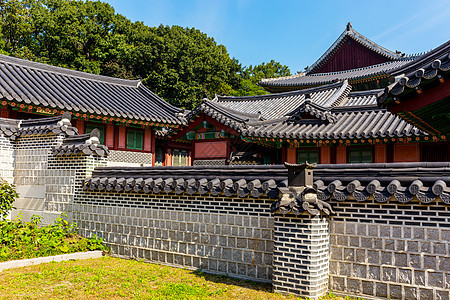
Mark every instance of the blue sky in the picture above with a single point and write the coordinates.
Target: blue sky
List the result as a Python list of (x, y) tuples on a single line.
[(296, 33)]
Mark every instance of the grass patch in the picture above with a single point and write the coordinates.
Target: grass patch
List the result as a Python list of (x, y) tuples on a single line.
[(20, 240), (113, 278)]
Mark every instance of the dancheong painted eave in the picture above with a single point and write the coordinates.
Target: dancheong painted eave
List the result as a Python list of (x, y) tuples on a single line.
[(29, 85)]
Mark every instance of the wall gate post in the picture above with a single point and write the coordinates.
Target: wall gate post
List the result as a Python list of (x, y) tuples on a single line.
[(301, 236)]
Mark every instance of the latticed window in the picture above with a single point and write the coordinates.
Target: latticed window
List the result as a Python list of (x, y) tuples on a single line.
[(180, 158), (360, 155), (135, 139), (100, 127), (308, 155)]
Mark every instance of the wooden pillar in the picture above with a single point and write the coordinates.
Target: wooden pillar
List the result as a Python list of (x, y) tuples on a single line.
[(109, 136), (381, 154), (168, 157), (148, 141), (291, 155), (153, 147), (341, 154), (325, 155), (80, 126), (189, 159), (122, 141)]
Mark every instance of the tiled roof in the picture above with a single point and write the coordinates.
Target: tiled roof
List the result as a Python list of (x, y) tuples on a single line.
[(277, 105), (87, 144), (68, 90), (300, 80), (345, 115), (361, 39), (425, 67), (52, 125), (399, 182)]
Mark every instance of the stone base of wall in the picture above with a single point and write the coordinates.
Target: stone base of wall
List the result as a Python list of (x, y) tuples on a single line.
[(215, 234), (399, 251)]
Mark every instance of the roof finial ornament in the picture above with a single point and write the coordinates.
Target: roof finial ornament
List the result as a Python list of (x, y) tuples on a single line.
[(349, 26)]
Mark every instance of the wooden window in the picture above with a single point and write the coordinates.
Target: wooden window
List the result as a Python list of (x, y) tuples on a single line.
[(308, 155), (180, 158), (135, 139), (100, 127), (360, 155)]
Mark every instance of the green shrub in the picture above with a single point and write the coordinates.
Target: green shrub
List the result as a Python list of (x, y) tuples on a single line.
[(19, 240), (8, 195)]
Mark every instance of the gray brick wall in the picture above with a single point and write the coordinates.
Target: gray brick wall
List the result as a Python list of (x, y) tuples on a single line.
[(6, 159), (301, 255), (231, 236), (391, 250)]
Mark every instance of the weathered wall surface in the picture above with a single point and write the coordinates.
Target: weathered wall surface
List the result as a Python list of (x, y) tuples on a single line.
[(391, 250), (232, 236)]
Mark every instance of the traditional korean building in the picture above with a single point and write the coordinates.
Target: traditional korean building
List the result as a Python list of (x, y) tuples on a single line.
[(420, 92), (353, 57), (330, 114), (328, 124), (127, 113)]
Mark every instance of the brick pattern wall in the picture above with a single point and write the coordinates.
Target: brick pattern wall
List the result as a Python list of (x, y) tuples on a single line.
[(232, 236), (129, 158), (64, 179), (6, 159), (32, 154), (391, 250), (301, 255), (209, 162)]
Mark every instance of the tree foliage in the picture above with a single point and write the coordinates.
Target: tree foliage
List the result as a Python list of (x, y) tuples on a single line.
[(183, 65), (8, 195)]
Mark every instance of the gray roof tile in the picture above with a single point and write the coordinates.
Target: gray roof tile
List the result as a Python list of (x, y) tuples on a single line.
[(48, 86)]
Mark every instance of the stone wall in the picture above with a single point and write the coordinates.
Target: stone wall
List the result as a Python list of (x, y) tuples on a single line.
[(231, 236), (391, 250), (301, 255), (30, 175), (6, 159)]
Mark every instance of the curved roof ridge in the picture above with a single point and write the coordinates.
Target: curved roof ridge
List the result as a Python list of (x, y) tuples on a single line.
[(68, 72), (362, 68), (350, 32), (366, 92), (290, 93), (229, 112), (423, 59)]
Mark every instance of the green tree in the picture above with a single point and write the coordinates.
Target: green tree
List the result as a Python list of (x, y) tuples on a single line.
[(183, 65)]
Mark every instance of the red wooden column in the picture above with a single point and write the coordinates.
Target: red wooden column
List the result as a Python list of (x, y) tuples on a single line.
[(291, 155), (109, 136), (122, 140), (325, 155), (80, 126), (148, 140), (380, 153), (168, 161), (341, 154)]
